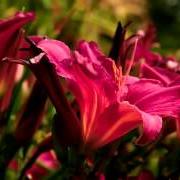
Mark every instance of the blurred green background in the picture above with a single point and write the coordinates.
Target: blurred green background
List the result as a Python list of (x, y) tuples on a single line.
[(71, 20)]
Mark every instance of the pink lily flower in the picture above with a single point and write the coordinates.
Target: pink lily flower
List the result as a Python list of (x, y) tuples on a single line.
[(11, 39), (143, 51), (164, 69), (168, 78), (111, 105), (10, 31), (145, 45), (46, 163)]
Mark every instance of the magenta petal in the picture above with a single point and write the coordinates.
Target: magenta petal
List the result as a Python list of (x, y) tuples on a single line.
[(95, 58), (55, 50), (163, 102), (58, 54), (175, 82), (45, 163), (88, 60), (49, 160), (150, 73), (93, 93), (115, 121), (9, 30), (84, 74), (96, 83), (146, 54), (172, 77), (144, 46), (151, 97), (11, 38), (164, 75), (120, 118), (92, 78), (131, 80), (152, 126), (85, 90), (89, 50), (141, 88)]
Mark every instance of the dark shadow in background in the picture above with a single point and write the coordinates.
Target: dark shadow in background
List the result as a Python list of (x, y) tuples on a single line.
[(166, 16)]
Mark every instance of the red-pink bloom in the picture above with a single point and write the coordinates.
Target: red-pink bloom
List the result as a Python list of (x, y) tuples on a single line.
[(10, 32), (155, 100), (144, 46), (11, 39), (45, 164), (168, 78), (94, 80), (164, 69), (111, 105), (144, 51)]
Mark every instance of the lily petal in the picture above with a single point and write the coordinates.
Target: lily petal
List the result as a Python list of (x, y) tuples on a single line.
[(115, 121), (164, 75), (141, 88), (95, 82), (119, 119), (58, 54), (9, 30), (152, 125), (155, 99), (11, 39), (91, 76)]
